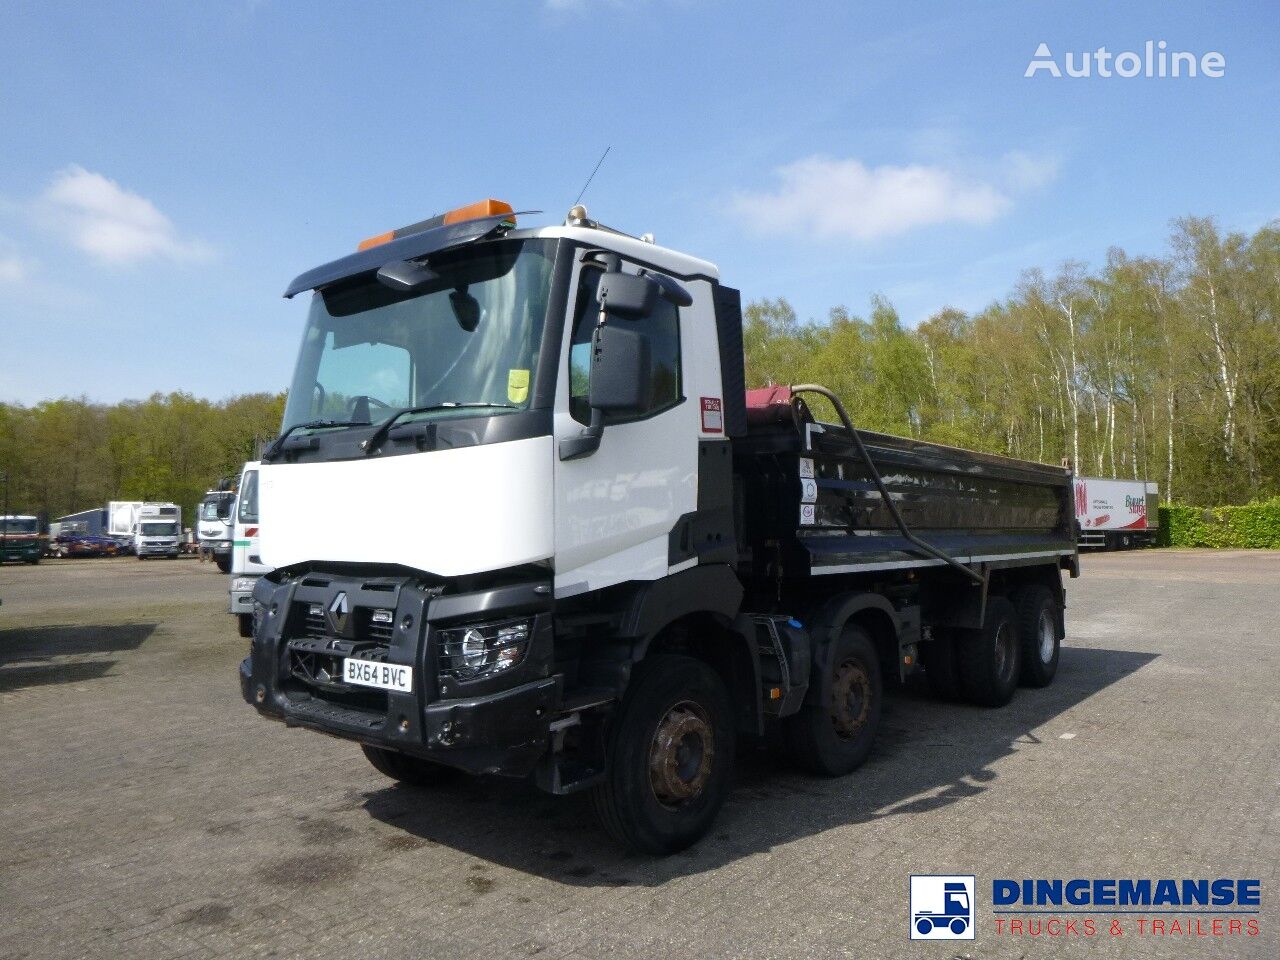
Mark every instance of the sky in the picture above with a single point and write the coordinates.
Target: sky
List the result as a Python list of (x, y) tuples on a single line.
[(168, 167)]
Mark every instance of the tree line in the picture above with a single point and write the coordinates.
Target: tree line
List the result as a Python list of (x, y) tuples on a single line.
[(1161, 368), (67, 455)]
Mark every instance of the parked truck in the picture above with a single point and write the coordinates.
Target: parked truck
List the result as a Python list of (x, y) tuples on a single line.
[(20, 538), (1117, 514), (584, 555), (246, 559), (151, 529), (214, 525)]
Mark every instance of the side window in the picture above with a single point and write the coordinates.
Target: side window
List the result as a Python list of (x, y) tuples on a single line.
[(249, 497), (663, 329)]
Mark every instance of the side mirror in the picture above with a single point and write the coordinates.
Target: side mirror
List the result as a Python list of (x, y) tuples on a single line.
[(628, 295), (621, 367)]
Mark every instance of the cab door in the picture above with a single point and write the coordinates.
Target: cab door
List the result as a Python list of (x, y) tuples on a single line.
[(245, 557), (616, 508)]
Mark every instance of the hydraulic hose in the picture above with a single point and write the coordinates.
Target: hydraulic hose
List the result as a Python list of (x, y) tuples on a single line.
[(911, 538)]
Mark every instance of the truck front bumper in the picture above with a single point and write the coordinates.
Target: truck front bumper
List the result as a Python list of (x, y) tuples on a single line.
[(240, 596), (158, 550), (498, 724)]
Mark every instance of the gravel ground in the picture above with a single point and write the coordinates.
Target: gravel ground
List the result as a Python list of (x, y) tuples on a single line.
[(148, 812)]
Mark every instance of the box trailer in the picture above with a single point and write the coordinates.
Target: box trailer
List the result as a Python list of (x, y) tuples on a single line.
[(539, 529), (1117, 514)]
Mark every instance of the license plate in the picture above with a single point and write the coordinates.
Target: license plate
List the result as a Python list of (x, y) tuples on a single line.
[(383, 676)]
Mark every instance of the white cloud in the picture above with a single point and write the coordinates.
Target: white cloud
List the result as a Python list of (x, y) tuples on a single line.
[(14, 268), (845, 199), (112, 224)]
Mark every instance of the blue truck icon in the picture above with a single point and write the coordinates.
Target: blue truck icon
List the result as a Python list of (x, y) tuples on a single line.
[(955, 915)]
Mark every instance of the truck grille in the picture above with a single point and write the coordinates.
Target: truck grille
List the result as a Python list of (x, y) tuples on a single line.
[(315, 655)]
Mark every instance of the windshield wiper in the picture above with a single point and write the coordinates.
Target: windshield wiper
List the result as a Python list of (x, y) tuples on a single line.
[(278, 443), (375, 440)]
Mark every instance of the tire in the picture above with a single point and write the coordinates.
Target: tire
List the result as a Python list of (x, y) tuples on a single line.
[(224, 564), (413, 771), (940, 670), (670, 758), (1126, 541), (836, 726), (245, 623), (989, 658), (33, 561), (1038, 633), (925, 927), (957, 926)]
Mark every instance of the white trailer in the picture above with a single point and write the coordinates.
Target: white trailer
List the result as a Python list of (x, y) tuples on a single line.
[(1117, 514)]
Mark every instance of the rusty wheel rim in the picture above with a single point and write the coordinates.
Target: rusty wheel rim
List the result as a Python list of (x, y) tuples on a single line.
[(850, 699), (680, 754)]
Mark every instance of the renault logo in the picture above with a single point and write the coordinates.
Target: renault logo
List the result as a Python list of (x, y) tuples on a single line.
[(339, 613)]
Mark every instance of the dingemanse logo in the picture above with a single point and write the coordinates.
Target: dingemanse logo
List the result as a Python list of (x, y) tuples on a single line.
[(942, 907), (1154, 60)]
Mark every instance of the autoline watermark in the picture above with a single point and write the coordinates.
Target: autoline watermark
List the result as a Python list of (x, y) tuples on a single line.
[(1154, 60)]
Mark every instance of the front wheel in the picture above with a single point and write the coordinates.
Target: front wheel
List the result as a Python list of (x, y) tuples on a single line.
[(224, 564), (672, 755), (833, 732), (413, 771)]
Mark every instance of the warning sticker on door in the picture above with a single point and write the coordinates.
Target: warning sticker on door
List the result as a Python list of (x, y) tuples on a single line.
[(806, 467), (808, 490), (806, 514), (712, 415)]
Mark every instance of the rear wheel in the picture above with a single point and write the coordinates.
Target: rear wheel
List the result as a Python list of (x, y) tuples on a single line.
[(411, 770), (833, 732), (1038, 632), (989, 658), (671, 757)]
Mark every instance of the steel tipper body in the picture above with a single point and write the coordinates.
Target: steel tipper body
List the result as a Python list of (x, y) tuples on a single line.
[(523, 521)]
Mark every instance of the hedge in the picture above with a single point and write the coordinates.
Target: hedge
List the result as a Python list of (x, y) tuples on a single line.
[(1252, 525)]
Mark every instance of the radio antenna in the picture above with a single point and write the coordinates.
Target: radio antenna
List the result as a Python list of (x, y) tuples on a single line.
[(593, 173)]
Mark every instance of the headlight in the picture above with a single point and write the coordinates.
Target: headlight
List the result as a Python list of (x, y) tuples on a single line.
[(243, 584), (483, 650)]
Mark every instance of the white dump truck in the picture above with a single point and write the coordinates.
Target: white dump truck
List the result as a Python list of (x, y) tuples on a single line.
[(524, 519), (1117, 514)]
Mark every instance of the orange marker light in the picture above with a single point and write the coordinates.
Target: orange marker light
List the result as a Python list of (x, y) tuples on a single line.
[(482, 208), (472, 211), (377, 241)]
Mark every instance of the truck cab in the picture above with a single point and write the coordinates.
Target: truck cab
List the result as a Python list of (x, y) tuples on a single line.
[(157, 531), (521, 521), (246, 559), (20, 539), (214, 526)]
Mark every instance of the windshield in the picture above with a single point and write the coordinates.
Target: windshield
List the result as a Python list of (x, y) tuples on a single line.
[(219, 509), (18, 525), (470, 338), (159, 529)]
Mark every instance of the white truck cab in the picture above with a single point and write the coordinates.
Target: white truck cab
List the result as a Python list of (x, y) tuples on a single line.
[(214, 526), (246, 559), (157, 530)]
